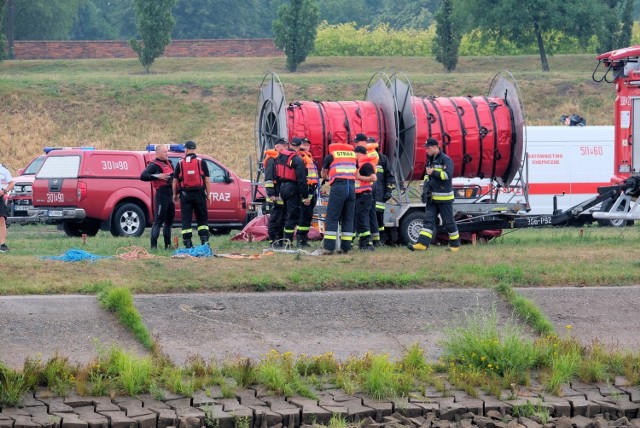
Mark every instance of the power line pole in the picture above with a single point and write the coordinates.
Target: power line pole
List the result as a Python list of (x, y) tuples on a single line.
[(10, 29)]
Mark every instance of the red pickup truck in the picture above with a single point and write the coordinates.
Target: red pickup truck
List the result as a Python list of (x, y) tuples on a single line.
[(89, 190)]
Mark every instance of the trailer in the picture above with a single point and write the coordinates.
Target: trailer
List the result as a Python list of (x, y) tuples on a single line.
[(507, 175)]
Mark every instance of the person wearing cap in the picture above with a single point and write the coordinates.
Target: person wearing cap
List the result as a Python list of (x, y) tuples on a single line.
[(6, 184), (272, 185), (160, 173), (365, 179), (361, 140), (191, 184), (339, 168), (291, 172), (437, 194), (306, 212), (381, 192)]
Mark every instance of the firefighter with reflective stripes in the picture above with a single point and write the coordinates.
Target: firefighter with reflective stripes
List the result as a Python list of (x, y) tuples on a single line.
[(272, 186), (339, 168), (362, 140), (160, 173), (306, 213), (191, 184), (291, 172), (437, 194), (381, 191), (365, 180)]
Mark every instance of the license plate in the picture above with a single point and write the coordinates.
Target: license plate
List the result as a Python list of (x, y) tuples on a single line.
[(22, 207), (55, 213)]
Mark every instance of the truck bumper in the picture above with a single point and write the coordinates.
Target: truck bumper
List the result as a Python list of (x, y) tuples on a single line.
[(56, 215)]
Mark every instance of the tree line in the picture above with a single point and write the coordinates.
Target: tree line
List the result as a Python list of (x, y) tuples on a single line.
[(605, 24)]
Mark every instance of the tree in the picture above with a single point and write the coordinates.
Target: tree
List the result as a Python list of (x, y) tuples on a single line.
[(447, 40), (3, 40), (44, 19), (154, 21), (295, 30), (92, 22), (343, 11), (617, 24), (530, 21), (407, 14), (216, 19)]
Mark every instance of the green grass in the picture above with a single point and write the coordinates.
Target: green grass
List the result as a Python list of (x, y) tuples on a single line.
[(525, 258), (120, 301)]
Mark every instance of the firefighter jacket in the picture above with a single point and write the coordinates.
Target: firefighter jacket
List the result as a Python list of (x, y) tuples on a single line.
[(291, 168), (191, 172), (312, 168), (343, 165), (373, 153), (271, 184), (366, 186), (438, 185), (385, 182)]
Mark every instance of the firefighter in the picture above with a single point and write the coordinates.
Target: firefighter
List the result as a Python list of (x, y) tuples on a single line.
[(339, 168), (291, 172), (381, 191), (160, 173), (362, 140), (365, 179), (272, 186), (191, 184), (437, 194), (306, 213)]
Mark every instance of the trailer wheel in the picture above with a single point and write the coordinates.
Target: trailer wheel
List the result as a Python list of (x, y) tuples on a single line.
[(605, 222), (128, 221), (410, 227)]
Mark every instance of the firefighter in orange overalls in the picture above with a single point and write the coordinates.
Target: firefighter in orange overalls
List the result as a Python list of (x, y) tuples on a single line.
[(373, 159), (365, 179), (306, 213)]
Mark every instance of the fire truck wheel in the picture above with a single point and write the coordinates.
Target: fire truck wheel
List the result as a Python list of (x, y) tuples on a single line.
[(606, 206), (76, 229), (129, 221), (410, 227)]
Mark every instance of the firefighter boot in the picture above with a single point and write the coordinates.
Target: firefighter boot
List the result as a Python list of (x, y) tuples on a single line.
[(187, 243), (288, 238), (417, 247), (302, 240), (366, 244)]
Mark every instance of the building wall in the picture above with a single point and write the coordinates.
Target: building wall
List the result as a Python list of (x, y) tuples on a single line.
[(75, 49)]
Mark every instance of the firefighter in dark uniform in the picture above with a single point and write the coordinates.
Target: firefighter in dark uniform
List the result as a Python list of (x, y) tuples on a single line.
[(306, 213), (192, 185), (339, 168), (272, 186), (437, 194), (365, 179), (291, 172), (381, 192), (160, 173)]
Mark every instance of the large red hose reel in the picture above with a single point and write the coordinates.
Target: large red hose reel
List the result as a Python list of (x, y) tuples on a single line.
[(482, 134)]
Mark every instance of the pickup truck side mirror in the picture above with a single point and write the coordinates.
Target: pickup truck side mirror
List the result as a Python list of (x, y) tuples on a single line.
[(227, 178), (19, 172)]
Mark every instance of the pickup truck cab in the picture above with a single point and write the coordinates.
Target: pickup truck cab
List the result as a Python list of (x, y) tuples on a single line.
[(89, 190)]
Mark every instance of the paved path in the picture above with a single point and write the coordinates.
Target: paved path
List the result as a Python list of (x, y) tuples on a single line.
[(250, 324)]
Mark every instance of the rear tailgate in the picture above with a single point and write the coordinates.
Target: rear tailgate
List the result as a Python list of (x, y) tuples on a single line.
[(56, 186)]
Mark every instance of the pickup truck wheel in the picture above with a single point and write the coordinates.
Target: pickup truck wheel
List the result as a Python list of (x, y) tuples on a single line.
[(89, 227), (410, 227), (128, 221), (606, 206)]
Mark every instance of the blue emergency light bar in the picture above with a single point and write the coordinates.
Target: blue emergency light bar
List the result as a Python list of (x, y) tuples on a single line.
[(49, 149), (179, 148)]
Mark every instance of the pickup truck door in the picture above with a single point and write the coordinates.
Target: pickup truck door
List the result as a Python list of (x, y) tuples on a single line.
[(226, 205)]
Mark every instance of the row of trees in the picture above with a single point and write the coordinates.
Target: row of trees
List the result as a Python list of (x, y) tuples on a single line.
[(294, 22)]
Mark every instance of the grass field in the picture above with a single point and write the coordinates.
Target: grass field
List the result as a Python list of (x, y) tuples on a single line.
[(112, 104), (526, 257)]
